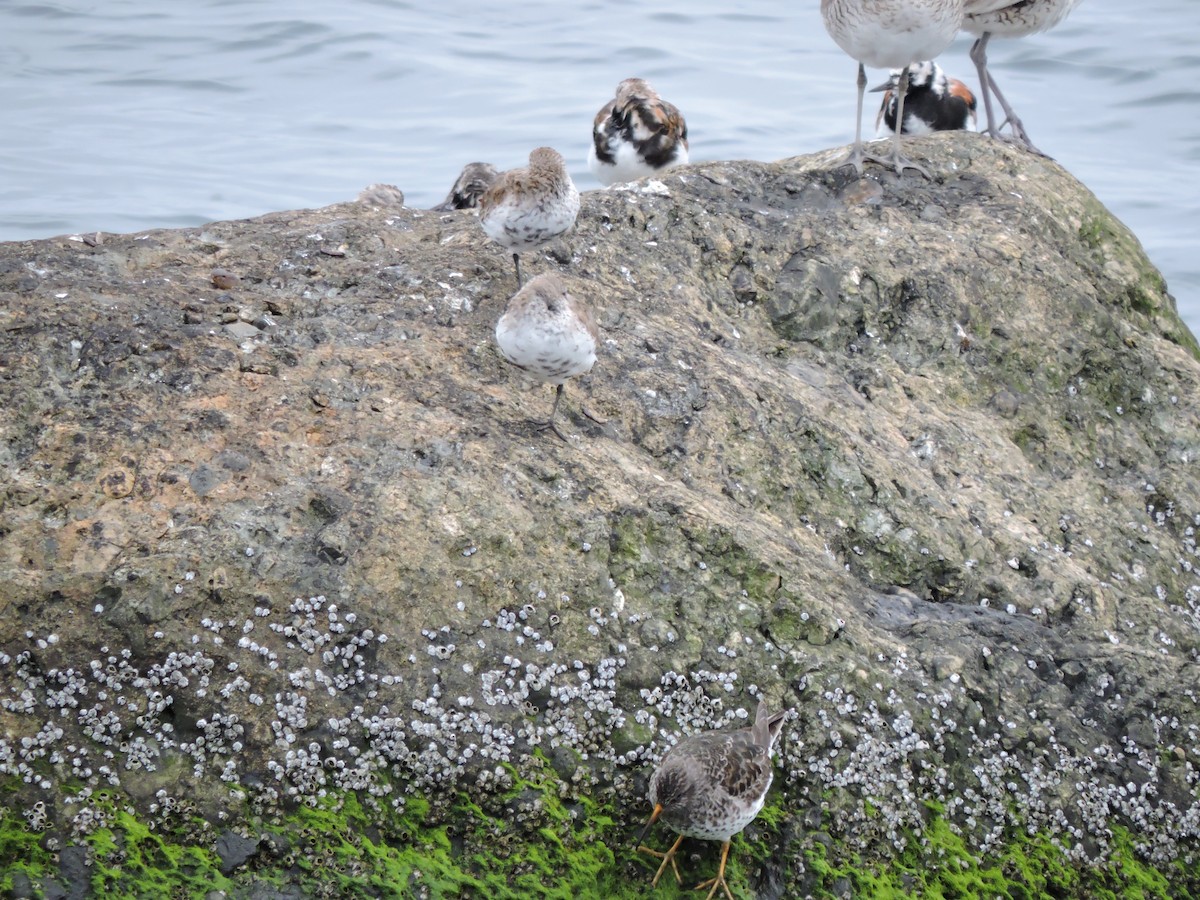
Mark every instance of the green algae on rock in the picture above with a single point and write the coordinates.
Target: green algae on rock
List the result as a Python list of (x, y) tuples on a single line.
[(294, 601)]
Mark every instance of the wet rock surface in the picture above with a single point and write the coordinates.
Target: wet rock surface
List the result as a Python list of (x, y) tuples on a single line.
[(916, 458)]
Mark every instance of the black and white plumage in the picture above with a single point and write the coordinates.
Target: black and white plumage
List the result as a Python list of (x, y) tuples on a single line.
[(1007, 18), (472, 182), (711, 785), (889, 34), (636, 134), (935, 102)]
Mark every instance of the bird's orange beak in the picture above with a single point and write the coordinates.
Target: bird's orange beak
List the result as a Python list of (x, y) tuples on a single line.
[(653, 818)]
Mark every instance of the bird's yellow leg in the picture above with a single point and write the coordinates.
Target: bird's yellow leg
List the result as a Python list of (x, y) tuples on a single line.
[(719, 881), (668, 857)]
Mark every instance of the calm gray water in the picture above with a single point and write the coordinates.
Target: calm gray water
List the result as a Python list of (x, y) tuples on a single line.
[(130, 114)]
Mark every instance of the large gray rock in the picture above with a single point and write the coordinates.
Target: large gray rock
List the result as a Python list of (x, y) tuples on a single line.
[(916, 458)]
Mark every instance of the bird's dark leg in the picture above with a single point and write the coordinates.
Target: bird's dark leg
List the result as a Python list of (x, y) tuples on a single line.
[(979, 57), (1019, 135), (898, 159), (857, 154), (549, 423), (517, 263), (987, 84)]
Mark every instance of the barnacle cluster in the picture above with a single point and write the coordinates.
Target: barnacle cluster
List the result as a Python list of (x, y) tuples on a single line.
[(303, 704)]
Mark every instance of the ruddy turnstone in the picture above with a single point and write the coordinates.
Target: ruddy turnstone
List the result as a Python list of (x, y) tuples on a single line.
[(474, 179), (890, 34), (636, 134), (935, 102), (1007, 18), (711, 786), (550, 334), (525, 208)]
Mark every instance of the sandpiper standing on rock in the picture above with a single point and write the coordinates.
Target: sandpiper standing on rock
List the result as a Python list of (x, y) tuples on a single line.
[(473, 180), (711, 785), (636, 134), (525, 208), (550, 334), (935, 102), (890, 34), (1007, 18)]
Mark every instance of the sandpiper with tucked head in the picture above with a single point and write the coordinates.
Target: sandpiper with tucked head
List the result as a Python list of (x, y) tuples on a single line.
[(549, 333), (636, 134), (524, 208), (710, 786), (935, 102), (381, 195), (473, 180), (890, 34), (1007, 18)]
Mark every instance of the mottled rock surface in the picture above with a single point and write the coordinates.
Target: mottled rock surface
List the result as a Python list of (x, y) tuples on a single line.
[(916, 458)]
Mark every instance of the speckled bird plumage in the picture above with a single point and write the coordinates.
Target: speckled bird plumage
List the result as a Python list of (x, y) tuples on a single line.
[(889, 34), (934, 102), (636, 134), (549, 333), (524, 208), (711, 786), (1014, 18)]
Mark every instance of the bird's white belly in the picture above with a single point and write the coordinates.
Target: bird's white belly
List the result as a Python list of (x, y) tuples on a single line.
[(547, 351)]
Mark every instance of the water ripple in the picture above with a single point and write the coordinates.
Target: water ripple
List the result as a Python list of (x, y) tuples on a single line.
[(228, 108)]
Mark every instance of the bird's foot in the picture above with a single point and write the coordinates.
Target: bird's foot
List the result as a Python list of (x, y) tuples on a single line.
[(551, 426), (668, 857), (903, 163), (856, 157), (859, 155), (899, 162), (1018, 136), (713, 884)]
